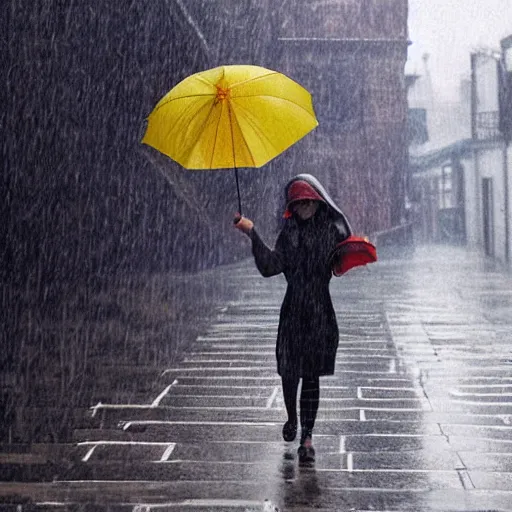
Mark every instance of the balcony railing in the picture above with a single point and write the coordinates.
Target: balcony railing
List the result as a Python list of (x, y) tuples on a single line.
[(487, 125)]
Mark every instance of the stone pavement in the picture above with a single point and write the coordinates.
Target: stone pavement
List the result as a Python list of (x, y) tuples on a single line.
[(418, 416)]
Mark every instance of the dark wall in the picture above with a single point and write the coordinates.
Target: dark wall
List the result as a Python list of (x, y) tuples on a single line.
[(80, 194), (351, 56), (88, 213)]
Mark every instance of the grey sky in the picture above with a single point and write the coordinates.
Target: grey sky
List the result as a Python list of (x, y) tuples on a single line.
[(449, 30)]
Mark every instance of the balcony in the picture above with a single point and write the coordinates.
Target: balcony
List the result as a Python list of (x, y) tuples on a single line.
[(486, 125)]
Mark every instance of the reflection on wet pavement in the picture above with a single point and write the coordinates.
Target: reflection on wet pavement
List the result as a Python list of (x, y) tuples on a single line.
[(418, 415)]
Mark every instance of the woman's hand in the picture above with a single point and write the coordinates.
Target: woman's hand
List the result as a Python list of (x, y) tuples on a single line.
[(243, 224)]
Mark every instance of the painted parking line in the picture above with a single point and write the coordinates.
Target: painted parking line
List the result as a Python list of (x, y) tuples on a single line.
[(159, 398), (272, 397), (128, 424), (169, 447)]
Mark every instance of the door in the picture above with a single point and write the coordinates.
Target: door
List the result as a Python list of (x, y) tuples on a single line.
[(488, 217)]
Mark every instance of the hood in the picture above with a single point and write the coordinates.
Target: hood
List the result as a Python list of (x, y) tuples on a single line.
[(324, 196), (298, 190)]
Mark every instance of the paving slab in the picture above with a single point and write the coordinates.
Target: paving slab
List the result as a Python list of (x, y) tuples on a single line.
[(418, 416)]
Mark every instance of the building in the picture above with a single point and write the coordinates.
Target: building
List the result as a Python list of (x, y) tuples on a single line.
[(438, 153), (461, 188), (91, 200), (351, 55)]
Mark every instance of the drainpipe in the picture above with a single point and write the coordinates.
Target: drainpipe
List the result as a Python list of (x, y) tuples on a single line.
[(506, 200), (505, 99), (479, 240)]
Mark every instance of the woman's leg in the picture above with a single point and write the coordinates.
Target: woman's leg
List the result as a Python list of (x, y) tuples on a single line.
[(290, 386), (309, 400)]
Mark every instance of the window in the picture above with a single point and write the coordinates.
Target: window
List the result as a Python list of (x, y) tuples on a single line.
[(445, 188), (417, 128)]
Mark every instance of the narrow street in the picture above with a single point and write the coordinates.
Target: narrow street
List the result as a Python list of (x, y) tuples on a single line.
[(418, 416)]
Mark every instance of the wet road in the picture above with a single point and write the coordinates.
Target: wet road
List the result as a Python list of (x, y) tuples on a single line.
[(418, 416)]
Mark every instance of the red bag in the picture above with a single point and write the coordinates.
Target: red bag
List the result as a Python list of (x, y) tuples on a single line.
[(354, 251)]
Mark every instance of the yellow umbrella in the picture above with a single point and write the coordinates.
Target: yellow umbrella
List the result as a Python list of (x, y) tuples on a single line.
[(230, 117)]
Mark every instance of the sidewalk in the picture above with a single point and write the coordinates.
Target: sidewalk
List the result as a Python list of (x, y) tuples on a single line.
[(418, 416)]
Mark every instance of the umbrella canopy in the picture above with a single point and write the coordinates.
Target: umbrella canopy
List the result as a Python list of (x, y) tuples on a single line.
[(354, 251), (230, 117)]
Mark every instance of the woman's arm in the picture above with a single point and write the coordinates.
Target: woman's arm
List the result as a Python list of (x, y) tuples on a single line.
[(269, 262)]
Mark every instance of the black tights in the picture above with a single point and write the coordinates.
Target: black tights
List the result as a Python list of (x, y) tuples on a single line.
[(309, 399)]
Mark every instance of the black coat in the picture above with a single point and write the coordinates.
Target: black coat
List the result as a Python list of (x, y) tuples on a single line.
[(307, 337)]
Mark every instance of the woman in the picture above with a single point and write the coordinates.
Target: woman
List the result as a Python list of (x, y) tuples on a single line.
[(307, 337)]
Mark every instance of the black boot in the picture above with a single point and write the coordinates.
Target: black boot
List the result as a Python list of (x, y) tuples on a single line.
[(306, 451), (290, 431)]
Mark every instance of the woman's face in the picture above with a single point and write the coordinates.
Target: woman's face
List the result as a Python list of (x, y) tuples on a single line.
[(305, 208)]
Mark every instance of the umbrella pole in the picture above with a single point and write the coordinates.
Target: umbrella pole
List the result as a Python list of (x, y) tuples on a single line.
[(238, 192)]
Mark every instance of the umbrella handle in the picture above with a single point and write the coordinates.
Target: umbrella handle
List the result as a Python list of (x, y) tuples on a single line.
[(238, 192)]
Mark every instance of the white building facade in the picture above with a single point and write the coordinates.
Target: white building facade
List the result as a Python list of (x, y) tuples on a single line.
[(461, 190)]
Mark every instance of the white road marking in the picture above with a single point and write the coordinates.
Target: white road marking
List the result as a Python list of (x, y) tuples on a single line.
[(95, 444), (384, 400), (158, 399), (397, 435), (224, 408), (202, 503), (95, 408), (456, 392), (359, 393), (167, 452), (131, 443), (219, 386), (387, 388), (123, 406), (184, 369), (395, 409), (350, 462), (362, 415), (272, 397), (264, 408), (89, 453), (229, 377), (229, 360), (483, 404), (486, 385), (218, 339), (266, 351), (342, 444), (155, 422), (483, 427)]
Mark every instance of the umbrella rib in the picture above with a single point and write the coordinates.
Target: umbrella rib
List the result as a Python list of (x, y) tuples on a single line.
[(254, 79), (200, 132), (201, 78), (262, 134), (243, 136), (159, 106), (216, 133), (184, 114), (277, 97)]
